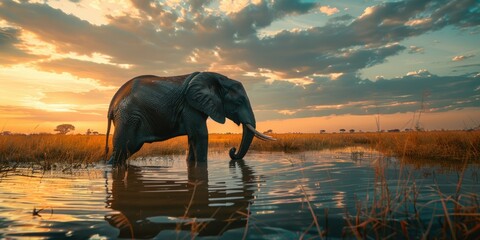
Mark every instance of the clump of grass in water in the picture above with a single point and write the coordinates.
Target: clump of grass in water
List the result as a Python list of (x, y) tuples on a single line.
[(398, 214)]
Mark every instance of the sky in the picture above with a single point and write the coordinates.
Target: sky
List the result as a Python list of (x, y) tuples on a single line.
[(306, 65)]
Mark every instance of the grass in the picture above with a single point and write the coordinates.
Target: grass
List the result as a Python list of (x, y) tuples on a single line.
[(409, 146), (48, 150)]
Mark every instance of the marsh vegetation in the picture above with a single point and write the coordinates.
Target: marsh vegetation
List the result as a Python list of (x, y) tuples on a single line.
[(82, 149), (303, 186)]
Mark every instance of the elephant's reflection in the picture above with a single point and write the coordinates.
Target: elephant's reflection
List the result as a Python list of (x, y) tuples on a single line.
[(148, 205)]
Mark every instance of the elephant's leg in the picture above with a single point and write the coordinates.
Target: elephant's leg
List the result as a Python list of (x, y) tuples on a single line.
[(197, 132), (191, 150), (120, 151), (126, 142), (198, 144)]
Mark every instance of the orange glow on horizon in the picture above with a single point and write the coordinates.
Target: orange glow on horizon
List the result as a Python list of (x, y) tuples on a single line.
[(453, 120)]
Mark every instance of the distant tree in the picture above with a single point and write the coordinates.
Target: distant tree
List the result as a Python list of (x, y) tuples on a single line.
[(268, 131), (342, 130), (64, 128), (6, 133), (394, 130), (352, 130), (322, 131)]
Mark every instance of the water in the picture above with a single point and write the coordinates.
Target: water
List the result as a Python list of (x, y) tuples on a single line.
[(267, 196)]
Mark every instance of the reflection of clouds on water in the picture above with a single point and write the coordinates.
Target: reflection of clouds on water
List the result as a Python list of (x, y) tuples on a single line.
[(65, 197)]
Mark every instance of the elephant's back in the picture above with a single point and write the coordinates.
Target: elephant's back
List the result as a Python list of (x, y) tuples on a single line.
[(120, 95), (155, 80), (140, 83), (146, 93)]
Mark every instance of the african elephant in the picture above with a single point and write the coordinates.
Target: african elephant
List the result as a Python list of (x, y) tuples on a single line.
[(149, 108)]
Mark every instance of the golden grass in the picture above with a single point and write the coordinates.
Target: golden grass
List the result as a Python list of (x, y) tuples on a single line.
[(49, 149), (81, 149)]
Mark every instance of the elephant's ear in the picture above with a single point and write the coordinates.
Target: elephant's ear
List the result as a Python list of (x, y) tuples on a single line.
[(203, 93)]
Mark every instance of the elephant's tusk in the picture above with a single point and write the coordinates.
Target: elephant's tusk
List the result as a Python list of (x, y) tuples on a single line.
[(260, 135)]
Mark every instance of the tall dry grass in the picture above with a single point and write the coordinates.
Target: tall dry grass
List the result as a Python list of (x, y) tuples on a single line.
[(47, 150), (81, 149), (440, 145)]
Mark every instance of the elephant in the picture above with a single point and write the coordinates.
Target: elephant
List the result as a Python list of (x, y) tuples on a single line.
[(149, 108)]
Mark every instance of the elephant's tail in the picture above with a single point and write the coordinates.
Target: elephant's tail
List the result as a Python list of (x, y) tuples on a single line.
[(109, 119)]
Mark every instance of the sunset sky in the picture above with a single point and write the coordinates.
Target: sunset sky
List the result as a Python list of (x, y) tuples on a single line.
[(306, 65)]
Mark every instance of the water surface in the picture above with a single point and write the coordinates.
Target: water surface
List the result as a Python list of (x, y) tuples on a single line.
[(268, 195)]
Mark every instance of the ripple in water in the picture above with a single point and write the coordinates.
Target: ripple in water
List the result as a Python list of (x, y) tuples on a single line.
[(269, 195)]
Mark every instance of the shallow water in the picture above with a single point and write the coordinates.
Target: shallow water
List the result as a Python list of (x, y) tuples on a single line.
[(267, 196)]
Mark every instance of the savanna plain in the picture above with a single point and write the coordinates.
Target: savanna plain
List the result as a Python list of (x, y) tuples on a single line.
[(390, 185)]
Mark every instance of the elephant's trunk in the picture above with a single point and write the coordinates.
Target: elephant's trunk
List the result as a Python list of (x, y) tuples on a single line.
[(247, 138), (249, 132)]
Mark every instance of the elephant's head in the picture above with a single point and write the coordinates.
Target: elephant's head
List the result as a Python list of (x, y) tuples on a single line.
[(220, 97)]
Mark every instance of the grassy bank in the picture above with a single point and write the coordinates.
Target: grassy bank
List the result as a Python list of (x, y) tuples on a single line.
[(445, 145)]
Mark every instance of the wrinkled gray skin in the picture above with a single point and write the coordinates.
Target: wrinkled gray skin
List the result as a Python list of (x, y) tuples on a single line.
[(149, 109)]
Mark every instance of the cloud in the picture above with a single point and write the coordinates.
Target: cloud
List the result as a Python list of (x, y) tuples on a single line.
[(164, 38), (309, 51), (310, 71), (235, 6), (415, 49), (40, 115), (92, 97), (287, 112), (419, 73), (418, 22), (11, 52), (352, 95), (328, 10), (462, 57), (62, 106), (104, 73)]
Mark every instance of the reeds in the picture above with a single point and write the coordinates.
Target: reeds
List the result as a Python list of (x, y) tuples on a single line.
[(397, 214), (81, 149), (436, 145), (49, 150)]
